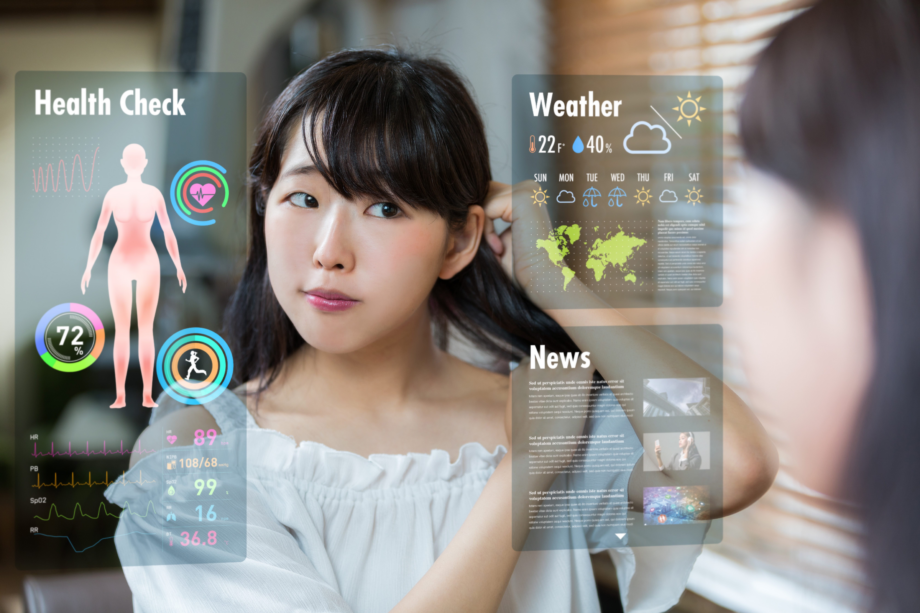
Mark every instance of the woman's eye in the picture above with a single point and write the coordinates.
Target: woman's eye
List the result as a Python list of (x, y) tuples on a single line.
[(384, 209), (303, 200)]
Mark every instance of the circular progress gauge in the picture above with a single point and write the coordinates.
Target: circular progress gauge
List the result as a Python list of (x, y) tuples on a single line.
[(195, 188), (69, 337), (194, 366)]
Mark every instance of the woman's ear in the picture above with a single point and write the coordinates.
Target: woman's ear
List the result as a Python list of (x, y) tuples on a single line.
[(464, 243)]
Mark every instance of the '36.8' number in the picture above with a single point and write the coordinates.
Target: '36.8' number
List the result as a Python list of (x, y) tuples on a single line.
[(195, 540)]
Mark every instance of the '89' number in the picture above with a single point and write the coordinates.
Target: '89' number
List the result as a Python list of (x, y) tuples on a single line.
[(200, 436), (195, 540)]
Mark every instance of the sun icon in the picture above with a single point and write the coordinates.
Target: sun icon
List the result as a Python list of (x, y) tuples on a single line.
[(689, 108), (643, 196), (694, 195), (539, 196)]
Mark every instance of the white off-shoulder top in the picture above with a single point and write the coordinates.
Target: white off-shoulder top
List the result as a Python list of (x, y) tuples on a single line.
[(331, 531)]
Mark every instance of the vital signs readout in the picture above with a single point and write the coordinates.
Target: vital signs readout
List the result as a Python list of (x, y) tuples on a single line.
[(120, 179)]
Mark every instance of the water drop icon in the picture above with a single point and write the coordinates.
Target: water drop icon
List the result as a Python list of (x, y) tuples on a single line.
[(171, 491), (578, 146)]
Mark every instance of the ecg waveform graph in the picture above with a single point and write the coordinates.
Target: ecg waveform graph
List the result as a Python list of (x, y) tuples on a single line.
[(43, 178), (105, 538), (89, 481), (88, 452), (102, 510)]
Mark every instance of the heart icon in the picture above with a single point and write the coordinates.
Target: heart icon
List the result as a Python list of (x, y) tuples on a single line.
[(171, 438), (202, 192)]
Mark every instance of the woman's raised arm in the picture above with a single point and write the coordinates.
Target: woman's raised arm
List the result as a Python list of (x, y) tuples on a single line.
[(751, 458)]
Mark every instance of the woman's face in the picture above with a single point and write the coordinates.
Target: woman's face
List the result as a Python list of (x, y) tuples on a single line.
[(348, 273), (682, 443), (802, 309)]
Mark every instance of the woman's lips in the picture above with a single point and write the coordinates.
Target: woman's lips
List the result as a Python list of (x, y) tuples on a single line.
[(328, 300)]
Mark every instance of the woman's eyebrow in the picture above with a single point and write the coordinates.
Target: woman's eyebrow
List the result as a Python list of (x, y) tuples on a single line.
[(300, 170)]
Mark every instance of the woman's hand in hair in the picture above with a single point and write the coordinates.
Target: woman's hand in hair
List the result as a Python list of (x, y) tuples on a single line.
[(516, 204), (498, 206)]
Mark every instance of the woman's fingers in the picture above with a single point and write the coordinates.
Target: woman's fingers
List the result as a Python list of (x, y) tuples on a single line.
[(498, 202), (494, 209), (529, 221), (491, 237), (505, 241)]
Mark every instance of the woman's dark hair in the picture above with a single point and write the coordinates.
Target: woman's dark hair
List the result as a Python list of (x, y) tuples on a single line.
[(833, 109), (692, 450), (393, 126)]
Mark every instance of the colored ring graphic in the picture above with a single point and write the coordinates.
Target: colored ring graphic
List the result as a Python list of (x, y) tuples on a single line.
[(69, 337), (194, 391), (191, 387), (182, 182), (207, 380)]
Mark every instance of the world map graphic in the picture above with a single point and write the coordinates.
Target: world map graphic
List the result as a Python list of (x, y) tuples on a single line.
[(612, 250)]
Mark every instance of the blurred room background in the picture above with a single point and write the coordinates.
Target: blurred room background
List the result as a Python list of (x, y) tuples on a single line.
[(794, 550)]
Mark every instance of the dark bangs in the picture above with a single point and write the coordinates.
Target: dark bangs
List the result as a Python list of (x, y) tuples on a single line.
[(412, 135)]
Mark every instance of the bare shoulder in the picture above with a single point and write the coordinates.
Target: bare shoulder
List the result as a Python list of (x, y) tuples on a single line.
[(180, 423)]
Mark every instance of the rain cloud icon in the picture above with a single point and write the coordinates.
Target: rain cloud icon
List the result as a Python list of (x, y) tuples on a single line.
[(565, 197), (667, 196), (658, 151)]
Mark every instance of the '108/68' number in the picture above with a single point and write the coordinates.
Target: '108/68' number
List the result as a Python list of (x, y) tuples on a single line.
[(198, 462), (195, 540)]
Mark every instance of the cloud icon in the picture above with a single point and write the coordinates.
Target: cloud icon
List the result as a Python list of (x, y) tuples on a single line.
[(632, 131), (565, 197), (667, 196)]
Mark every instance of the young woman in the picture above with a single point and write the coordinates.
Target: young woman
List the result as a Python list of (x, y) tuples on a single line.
[(379, 475), (687, 456), (826, 279)]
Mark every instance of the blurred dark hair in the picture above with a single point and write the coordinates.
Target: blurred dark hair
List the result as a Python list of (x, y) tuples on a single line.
[(392, 125), (832, 109), (692, 449)]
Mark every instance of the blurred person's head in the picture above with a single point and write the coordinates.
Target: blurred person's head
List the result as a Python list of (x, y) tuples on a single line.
[(826, 273), (683, 440), (367, 178)]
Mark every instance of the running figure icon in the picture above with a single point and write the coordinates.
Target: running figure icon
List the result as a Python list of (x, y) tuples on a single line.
[(193, 359)]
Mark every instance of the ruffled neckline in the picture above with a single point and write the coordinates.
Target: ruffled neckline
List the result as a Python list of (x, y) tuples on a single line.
[(317, 464)]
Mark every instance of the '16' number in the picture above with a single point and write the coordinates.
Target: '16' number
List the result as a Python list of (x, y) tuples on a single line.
[(211, 514)]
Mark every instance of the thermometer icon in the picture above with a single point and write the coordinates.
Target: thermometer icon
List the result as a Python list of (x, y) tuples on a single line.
[(533, 145)]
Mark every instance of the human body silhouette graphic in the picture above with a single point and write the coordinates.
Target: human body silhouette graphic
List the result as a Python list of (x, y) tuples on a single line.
[(193, 360), (133, 204)]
